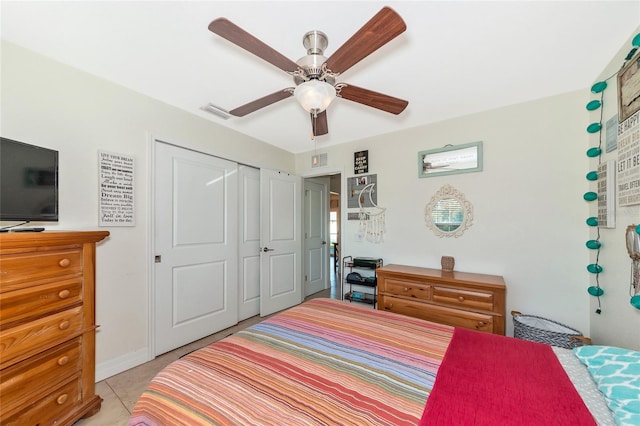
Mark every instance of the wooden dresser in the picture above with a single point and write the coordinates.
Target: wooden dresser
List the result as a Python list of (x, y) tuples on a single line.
[(47, 327), (461, 299)]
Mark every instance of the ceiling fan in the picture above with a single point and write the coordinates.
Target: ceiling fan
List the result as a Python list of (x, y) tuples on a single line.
[(315, 75)]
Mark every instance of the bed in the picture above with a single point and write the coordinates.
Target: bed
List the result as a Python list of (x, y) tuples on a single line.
[(328, 362)]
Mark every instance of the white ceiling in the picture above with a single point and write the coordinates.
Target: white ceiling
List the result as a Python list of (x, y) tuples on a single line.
[(455, 58)]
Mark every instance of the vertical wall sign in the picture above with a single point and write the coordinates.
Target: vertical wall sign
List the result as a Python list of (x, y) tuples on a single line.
[(628, 176), (606, 195), (361, 162), (116, 178)]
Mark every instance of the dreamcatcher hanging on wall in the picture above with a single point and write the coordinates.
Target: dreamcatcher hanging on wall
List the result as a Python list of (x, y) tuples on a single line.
[(372, 219)]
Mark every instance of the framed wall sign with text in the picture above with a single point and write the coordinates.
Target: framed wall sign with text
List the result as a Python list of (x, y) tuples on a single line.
[(361, 162)]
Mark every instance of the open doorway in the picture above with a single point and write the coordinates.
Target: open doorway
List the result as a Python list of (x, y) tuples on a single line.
[(327, 264)]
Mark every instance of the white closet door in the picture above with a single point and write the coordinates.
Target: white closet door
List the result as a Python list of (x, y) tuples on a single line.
[(196, 246), (249, 242)]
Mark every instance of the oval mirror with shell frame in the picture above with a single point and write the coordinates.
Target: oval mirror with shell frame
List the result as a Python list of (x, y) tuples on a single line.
[(449, 213)]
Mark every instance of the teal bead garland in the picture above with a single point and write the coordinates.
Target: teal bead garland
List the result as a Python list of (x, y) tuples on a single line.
[(595, 291), (599, 87), (593, 244), (594, 127), (594, 105), (593, 152), (594, 268)]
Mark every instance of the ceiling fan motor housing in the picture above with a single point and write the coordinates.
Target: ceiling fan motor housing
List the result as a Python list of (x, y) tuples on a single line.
[(315, 42)]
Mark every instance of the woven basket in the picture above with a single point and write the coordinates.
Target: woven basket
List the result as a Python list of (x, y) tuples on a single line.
[(543, 330)]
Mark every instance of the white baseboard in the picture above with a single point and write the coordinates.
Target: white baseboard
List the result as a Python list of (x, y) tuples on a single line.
[(115, 366)]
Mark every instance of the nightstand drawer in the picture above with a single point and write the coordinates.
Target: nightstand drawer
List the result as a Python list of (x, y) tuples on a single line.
[(405, 289), (56, 405), (33, 378), (463, 298), (39, 300), (22, 341), (28, 267)]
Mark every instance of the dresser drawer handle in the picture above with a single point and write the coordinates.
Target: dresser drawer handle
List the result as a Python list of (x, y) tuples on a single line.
[(62, 399), (406, 289), (460, 299), (64, 325), (63, 360), (63, 294), (481, 324), (64, 262)]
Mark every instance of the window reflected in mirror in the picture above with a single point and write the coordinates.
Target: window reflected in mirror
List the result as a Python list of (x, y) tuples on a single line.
[(448, 213)]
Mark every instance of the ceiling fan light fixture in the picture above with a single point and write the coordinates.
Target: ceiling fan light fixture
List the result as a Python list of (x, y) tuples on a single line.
[(314, 95)]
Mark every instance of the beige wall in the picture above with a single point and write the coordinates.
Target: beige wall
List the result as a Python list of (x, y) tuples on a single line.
[(55, 106), (619, 322)]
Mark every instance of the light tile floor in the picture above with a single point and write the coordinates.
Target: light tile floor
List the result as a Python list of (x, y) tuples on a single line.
[(120, 392)]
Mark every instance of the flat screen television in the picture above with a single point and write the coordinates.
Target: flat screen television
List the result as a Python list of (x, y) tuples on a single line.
[(28, 182)]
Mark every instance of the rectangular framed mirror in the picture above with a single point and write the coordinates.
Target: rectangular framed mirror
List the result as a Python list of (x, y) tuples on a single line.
[(450, 159)]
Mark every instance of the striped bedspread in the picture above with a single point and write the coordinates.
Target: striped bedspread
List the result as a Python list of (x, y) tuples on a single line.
[(324, 362)]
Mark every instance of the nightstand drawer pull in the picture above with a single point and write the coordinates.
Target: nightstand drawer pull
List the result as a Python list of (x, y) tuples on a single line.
[(406, 289), (64, 325), (64, 262), (63, 294), (63, 360), (461, 299), (481, 324), (62, 398)]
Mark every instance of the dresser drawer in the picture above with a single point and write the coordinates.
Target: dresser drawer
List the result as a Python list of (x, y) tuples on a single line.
[(439, 314), (33, 378), (463, 298), (22, 341), (27, 267), (36, 301), (49, 410), (405, 288)]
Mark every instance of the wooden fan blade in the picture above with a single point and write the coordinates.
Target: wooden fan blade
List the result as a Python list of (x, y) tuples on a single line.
[(319, 124), (381, 29), (236, 35), (373, 99), (243, 110)]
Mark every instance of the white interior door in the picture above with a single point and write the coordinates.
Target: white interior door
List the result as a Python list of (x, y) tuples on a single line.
[(249, 242), (196, 234), (281, 241), (316, 235)]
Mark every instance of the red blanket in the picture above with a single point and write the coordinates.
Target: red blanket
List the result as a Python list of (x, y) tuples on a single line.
[(491, 380)]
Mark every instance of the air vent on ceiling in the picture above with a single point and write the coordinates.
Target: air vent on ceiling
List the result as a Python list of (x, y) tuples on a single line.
[(216, 110), (318, 160)]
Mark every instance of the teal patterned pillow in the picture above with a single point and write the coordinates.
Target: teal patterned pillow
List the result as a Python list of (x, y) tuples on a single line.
[(616, 371)]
